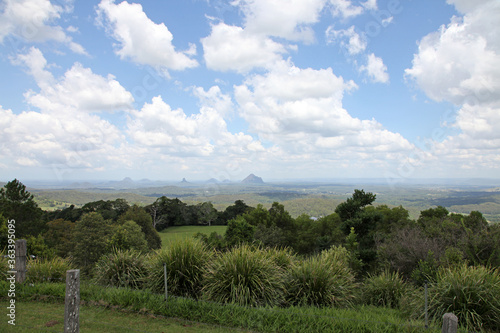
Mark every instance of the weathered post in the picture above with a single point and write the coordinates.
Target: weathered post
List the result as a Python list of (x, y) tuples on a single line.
[(72, 302), (450, 323), (165, 277), (20, 265)]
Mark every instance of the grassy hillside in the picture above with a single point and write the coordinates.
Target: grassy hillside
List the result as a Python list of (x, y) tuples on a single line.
[(173, 233)]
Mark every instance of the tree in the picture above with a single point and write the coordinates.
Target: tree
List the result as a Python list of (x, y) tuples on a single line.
[(239, 231), (129, 236), (16, 203), (233, 211), (354, 204), (144, 220), (91, 238), (59, 236)]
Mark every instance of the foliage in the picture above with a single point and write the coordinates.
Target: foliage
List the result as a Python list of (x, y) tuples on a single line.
[(122, 268), (59, 236), (244, 276), (239, 231), (385, 289), (47, 270), (128, 236), (471, 293), (37, 247), (140, 216), (213, 240), (91, 238), (16, 203), (322, 280), (185, 261)]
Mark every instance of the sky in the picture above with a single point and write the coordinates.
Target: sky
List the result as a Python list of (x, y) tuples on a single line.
[(284, 89)]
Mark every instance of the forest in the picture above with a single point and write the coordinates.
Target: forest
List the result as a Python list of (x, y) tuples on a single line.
[(361, 253)]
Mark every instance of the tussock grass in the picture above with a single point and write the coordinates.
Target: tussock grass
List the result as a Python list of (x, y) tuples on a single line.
[(119, 268), (324, 280), (471, 293), (186, 260), (244, 276), (385, 289), (47, 270)]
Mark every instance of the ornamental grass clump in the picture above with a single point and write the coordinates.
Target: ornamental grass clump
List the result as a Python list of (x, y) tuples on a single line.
[(121, 268), (385, 289), (244, 276), (471, 293), (47, 270), (321, 280), (185, 261)]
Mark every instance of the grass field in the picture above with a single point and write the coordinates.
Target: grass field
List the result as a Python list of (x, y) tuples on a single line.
[(36, 316), (173, 233)]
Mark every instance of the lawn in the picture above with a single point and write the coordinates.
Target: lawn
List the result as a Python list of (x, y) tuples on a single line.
[(49, 317), (172, 233)]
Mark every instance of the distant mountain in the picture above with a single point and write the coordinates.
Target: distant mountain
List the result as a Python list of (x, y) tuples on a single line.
[(184, 181), (252, 179), (212, 181)]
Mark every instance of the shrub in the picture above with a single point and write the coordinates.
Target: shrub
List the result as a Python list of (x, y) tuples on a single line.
[(185, 260), (47, 270), (121, 268), (282, 257), (244, 276), (385, 289), (471, 293), (321, 280)]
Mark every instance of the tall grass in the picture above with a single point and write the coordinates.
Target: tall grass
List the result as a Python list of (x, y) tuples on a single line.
[(244, 276), (121, 268), (47, 270), (323, 280), (185, 260), (471, 293), (385, 289)]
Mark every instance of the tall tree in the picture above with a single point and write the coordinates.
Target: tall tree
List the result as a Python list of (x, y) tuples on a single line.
[(91, 238), (144, 220), (16, 203)]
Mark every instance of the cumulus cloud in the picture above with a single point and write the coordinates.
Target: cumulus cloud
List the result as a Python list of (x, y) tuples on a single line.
[(300, 110), (345, 8), (290, 19), (459, 64), (375, 69), (349, 39), (65, 134), (33, 21), (233, 48), (140, 39), (79, 89)]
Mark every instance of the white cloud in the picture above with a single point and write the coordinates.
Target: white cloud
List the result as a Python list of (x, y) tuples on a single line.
[(345, 8), (353, 42), (375, 69), (140, 39), (459, 64), (233, 48), (64, 135), (290, 19), (32, 21), (300, 111), (79, 89)]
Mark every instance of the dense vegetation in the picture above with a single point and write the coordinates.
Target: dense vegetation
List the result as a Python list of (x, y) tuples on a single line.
[(361, 254)]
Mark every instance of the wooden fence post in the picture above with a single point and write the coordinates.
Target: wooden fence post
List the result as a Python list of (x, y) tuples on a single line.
[(72, 302), (450, 323), (20, 265)]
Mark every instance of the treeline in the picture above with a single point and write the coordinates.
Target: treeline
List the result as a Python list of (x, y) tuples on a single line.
[(376, 237)]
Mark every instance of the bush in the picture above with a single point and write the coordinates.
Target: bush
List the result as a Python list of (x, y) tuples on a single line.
[(244, 276), (322, 280), (385, 289), (185, 260), (47, 270), (471, 293), (121, 269)]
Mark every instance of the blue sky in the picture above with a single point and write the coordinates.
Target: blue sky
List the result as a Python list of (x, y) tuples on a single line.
[(203, 89)]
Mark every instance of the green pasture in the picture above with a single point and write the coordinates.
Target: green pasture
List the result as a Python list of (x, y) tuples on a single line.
[(173, 233)]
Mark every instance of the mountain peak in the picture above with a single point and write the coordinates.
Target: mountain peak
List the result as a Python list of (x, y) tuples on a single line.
[(252, 179)]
